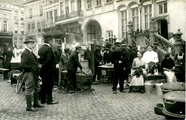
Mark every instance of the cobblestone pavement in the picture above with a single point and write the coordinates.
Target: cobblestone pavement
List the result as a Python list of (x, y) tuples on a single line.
[(100, 104)]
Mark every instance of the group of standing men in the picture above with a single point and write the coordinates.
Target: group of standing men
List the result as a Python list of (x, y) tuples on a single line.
[(32, 68), (119, 55), (45, 67)]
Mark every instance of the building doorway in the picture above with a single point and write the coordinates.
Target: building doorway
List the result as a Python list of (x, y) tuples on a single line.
[(93, 30), (164, 28)]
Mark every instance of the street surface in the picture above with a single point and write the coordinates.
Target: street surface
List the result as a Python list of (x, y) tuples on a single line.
[(100, 104)]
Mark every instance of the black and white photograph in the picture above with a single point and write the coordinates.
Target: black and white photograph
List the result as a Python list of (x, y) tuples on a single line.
[(92, 59)]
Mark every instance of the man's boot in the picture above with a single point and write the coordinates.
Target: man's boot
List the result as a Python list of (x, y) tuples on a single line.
[(29, 104), (36, 100)]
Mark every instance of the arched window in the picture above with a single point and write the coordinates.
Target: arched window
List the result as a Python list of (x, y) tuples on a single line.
[(122, 21), (147, 16), (134, 16)]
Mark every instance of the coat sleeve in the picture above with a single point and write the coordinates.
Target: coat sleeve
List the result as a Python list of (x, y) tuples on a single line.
[(75, 57), (24, 61), (48, 57)]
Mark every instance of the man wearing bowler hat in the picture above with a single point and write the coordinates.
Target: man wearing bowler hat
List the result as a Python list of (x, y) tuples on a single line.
[(47, 70), (31, 71)]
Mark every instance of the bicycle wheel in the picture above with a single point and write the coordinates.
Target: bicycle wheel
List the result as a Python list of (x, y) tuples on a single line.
[(19, 85)]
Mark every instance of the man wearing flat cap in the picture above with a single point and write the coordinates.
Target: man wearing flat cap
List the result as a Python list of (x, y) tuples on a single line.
[(47, 71), (72, 65), (31, 71)]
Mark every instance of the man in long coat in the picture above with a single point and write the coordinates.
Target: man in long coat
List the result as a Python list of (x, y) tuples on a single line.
[(47, 70), (31, 71)]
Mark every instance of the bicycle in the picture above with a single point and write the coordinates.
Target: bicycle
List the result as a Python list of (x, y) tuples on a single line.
[(21, 82)]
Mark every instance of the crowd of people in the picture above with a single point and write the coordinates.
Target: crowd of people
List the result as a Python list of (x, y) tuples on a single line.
[(125, 59)]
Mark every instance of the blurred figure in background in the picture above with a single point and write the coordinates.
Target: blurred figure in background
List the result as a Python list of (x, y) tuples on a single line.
[(98, 62), (8, 54), (63, 63), (87, 55)]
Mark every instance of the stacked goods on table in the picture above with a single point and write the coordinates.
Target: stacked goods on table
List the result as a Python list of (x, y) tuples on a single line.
[(84, 80), (173, 99)]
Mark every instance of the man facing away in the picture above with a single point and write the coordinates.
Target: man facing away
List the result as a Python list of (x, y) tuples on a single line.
[(31, 71), (47, 70)]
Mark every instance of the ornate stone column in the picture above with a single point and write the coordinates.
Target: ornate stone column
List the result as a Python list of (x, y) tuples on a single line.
[(151, 32), (130, 32), (179, 43)]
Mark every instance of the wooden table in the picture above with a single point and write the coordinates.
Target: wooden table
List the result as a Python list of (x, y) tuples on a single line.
[(108, 69)]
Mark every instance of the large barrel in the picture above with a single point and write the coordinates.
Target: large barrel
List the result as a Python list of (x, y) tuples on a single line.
[(84, 82)]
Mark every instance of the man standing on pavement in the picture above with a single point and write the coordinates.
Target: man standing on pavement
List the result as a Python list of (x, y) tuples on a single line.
[(72, 65), (118, 68), (47, 70), (31, 71)]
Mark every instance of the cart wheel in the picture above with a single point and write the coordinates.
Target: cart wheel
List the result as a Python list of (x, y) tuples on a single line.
[(19, 85)]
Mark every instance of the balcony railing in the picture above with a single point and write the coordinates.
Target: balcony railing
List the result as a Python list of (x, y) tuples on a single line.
[(68, 16)]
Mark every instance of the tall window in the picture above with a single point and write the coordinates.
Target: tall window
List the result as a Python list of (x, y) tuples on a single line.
[(98, 2), (16, 28), (22, 28), (89, 4), (162, 8), (51, 17), (5, 26), (29, 27), (33, 27), (41, 10), (30, 12), (135, 18), (61, 8), (66, 7), (55, 14), (91, 32), (124, 23), (79, 4), (72, 6), (147, 16), (39, 26)]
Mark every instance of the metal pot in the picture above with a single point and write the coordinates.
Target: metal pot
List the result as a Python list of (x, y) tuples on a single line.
[(177, 86), (175, 102)]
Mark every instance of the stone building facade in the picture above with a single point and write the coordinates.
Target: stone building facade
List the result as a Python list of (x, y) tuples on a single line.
[(85, 20), (12, 24)]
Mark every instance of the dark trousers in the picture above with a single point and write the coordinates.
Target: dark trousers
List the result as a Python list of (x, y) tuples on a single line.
[(71, 81), (96, 73), (47, 85), (118, 77)]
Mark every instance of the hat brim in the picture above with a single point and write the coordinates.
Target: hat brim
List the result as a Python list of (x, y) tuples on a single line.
[(28, 41)]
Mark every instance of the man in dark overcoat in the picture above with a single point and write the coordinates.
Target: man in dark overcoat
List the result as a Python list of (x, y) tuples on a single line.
[(97, 61), (47, 70), (118, 69), (30, 66), (125, 53), (72, 65)]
